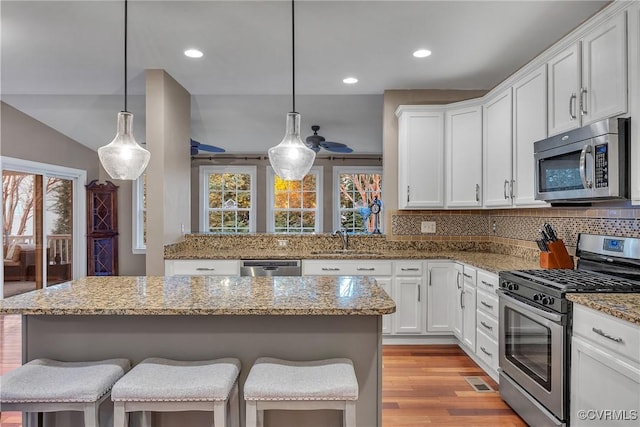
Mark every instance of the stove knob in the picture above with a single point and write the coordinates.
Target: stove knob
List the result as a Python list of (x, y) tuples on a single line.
[(537, 297), (547, 300)]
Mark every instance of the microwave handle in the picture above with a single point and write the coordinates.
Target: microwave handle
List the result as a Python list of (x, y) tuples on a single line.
[(583, 167)]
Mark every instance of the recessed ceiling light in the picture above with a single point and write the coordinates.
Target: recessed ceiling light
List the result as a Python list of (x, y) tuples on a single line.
[(193, 53), (350, 80), (422, 53)]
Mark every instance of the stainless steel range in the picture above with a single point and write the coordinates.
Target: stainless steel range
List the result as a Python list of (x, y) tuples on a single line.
[(535, 324)]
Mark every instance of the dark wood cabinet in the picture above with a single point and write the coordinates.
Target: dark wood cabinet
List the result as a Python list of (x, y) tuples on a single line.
[(102, 229)]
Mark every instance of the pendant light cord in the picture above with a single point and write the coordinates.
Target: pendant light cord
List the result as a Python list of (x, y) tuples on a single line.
[(125, 54), (293, 58)]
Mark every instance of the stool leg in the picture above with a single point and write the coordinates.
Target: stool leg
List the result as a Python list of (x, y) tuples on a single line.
[(92, 415), (120, 417), (252, 413), (220, 413), (234, 407), (145, 419), (350, 413)]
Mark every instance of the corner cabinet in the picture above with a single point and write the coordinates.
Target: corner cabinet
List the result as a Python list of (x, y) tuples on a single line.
[(420, 157), (102, 229), (498, 182)]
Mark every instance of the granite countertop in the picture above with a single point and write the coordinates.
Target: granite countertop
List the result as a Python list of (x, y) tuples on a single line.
[(622, 306), (205, 295)]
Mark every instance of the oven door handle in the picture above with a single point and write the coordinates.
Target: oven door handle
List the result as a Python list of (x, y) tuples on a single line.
[(583, 166), (511, 300)]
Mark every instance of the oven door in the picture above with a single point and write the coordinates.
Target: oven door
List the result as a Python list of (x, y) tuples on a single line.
[(532, 351)]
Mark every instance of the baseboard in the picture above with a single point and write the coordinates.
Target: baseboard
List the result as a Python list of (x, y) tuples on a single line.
[(419, 340)]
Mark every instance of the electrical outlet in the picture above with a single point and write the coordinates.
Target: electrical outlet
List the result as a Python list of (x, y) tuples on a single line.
[(282, 243), (428, 227)]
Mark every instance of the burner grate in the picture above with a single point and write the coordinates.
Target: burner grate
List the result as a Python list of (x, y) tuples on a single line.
[(576, 280)]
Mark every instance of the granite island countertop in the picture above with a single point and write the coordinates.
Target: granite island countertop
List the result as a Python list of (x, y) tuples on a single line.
[(620, 305), (205, 295)]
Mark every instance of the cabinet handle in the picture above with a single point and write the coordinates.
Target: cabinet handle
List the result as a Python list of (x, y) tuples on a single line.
[(477, 192), (606, 335), (418, 292), (583, 166), (458, 280), (408, 194), (461, 304), (489, 327), (330, 269), (409, 269), (468, 276), (490, 306), (366, 269), (487, 283), (583, 110), (506, 184), (511, 188), (486, 352), (572, 104), (205, 269), (430, 270)]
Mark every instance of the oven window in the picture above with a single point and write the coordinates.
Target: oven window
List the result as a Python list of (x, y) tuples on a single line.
[(528, 346), (560, 173)]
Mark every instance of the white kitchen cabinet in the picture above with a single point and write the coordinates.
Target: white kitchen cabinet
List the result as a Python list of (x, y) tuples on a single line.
[(529, 125), (634, 99), (410, 296), (463, 135), (497, 140), (458, 303), (588, 80), (469, 310), (202, 267), (605, 371), (352, 267), (440, 296), (420, 157)]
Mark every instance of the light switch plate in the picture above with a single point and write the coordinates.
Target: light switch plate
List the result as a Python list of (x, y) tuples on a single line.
[(428, 227)]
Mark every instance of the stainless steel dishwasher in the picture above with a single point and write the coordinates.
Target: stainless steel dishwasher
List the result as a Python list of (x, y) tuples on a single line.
[(270, 267)]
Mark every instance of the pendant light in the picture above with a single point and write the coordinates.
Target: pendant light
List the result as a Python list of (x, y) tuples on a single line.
[(291, 159), (123, 158)]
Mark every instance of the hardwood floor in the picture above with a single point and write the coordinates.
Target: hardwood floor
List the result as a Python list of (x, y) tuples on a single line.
[(422, 386)]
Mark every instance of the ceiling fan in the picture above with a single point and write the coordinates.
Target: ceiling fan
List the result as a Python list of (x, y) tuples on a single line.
[(316, 142), (196, 147)]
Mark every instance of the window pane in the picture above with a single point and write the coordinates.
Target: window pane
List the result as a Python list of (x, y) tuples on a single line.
[(243, 219), (215, 182), (309, 182), (295, 200), (296, 204), (244, 199), (309, 219), (215, 220), (215, 200), (229, 181), (357, 193), (244, 181), (281, 219)]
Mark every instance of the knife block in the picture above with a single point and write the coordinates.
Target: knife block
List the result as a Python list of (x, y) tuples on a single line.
[(557, 257)]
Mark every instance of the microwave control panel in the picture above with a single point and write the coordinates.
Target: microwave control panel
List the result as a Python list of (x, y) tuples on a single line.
[(602, 166)]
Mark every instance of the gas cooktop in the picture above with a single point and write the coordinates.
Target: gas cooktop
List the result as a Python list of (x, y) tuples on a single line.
[(577, 280)]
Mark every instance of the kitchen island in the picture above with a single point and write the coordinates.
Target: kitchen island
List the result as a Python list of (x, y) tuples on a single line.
[(197, 317)]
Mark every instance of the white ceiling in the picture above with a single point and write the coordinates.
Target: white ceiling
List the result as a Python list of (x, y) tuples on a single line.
[(62, 61)]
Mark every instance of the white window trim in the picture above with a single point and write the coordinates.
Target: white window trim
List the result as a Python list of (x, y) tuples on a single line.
[(339, 170), (79, 178), (203, 197), (137, 216), (317, 170)]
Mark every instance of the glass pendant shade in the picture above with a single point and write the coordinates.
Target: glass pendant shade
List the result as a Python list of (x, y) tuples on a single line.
[(123, 158), (291, 159)]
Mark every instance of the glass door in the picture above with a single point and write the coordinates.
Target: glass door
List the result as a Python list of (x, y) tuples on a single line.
[(59, 229)]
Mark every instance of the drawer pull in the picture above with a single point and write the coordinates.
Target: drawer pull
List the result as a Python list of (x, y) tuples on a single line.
[(330, 269), (489, 327), (606, 335), (489, 306), (468, 276), (487, 283), (486, 352), (409, 269), (366, 269), (205, 269)]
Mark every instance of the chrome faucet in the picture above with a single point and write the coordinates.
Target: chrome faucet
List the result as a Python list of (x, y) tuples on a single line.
[(344, 237)]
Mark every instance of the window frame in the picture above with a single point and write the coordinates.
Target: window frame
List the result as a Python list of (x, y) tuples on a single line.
[(339, 170), (138, 246), (203, 196), (270, 182)]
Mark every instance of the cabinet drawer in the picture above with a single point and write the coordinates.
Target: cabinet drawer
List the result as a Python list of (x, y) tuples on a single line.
[(203, 267), (488, 303), (488, 325), (408, 268), (346, 268), (487, 281), (487, 350), (607, 331), (470, 275)]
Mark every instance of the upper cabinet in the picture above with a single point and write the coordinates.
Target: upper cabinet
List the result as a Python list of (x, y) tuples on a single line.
[(464, 157), (420, 157), (588, 80), (498, 185)]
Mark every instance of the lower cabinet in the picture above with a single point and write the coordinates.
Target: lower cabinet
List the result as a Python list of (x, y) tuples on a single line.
[(441, 295), (410, 296), (202, 267), (468, 307)]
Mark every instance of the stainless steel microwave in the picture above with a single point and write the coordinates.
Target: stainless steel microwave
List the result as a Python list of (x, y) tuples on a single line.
[(584, 165)]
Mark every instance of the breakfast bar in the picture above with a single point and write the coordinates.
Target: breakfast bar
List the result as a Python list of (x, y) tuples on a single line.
[(199, 317)]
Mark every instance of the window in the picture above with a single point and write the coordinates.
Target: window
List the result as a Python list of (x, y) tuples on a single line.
[(139, 215), (296, 204), (227, 199), (354, 191)]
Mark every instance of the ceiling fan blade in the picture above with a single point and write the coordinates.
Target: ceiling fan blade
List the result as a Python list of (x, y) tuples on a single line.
[(194, 150), (210, 148), (337, 149), (327, 144)]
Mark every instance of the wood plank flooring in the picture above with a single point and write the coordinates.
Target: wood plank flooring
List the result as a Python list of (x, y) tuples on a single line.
[(422, 386)]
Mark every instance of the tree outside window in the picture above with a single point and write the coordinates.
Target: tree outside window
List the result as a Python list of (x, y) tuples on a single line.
[(296, 206)]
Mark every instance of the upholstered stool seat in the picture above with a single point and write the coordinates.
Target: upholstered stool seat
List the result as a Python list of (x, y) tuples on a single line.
[(45, 385), (308, 385), (158, 384)]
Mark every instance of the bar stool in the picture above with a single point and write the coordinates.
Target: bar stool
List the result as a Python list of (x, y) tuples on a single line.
[(45, 385), (166, 385), (309, 385)]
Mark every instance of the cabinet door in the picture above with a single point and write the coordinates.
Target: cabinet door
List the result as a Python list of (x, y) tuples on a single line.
[(457, 302), (529, 125), (421, 160), (464, 157), (409, 297), (600, 381), (497, 150), (563, 90), (469, 317), (440, 297), (604, 71), (634, 99), (385, 283)]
